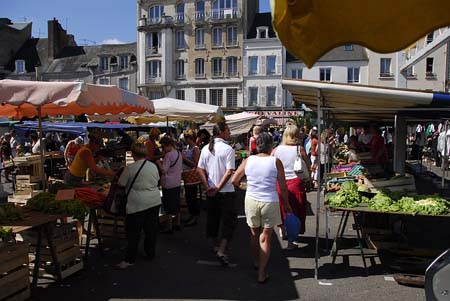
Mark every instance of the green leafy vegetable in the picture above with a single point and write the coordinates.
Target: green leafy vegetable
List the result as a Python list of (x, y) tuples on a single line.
[(9, 213), (346, 197), (45, 202)]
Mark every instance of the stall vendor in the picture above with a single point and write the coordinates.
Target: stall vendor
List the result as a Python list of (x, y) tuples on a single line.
[(153, 151), (378, 150), (83, 160)]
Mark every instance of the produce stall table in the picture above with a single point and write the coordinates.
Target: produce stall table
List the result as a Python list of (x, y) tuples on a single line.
[(40, 222), (420, 236)]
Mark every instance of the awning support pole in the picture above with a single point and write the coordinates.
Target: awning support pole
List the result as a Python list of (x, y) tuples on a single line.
[(41, 148), (319, 128)]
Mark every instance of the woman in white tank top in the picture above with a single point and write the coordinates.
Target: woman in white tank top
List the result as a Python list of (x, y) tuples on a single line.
[(287, 153), (262, 209)]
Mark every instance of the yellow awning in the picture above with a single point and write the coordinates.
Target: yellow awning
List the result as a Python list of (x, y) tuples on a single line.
[(309, 29)]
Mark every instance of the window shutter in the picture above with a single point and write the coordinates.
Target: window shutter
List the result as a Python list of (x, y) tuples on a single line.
[(246, 101), (279, 66), (245, 65), (263, 65), (262, 99), (279, 95)]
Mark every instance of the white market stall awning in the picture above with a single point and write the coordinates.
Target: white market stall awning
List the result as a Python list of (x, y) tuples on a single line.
[(349, 102), (239, 123)]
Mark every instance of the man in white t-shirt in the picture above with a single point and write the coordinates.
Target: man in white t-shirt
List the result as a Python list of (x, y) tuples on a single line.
[(215, 167)]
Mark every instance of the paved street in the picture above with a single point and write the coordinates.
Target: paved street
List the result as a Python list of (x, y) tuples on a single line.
[(186, 269)]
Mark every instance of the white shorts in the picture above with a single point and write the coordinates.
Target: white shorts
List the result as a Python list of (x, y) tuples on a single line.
[(262, 214)]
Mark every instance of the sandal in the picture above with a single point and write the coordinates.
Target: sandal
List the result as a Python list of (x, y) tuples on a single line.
[(266, 278), (223, 259)]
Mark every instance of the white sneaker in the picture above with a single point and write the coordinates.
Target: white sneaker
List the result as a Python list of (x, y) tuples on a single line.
[(123, 265)]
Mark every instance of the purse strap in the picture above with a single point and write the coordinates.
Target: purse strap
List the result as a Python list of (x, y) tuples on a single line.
[(134, 179), (178, 157)]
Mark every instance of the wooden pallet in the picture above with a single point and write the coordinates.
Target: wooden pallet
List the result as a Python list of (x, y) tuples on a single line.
[(14, 275), (111, 226)]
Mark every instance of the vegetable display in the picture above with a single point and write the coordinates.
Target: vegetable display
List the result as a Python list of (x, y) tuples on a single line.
[(5, 233), (89, 196), (346, 197), (413, 204), (45, 202), (9, 213)]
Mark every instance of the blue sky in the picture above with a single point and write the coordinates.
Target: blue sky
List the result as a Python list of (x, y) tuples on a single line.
[(91, 21)]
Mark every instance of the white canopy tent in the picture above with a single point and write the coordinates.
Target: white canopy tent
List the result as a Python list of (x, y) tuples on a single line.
[(239, 123), (170, 109), (347, 102)]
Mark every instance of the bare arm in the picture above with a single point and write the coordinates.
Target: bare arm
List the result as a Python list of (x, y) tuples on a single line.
[(236, 180), (89, 159), (283, 187)]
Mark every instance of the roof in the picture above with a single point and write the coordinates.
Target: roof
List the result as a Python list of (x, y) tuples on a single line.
[(358, 102), (338, 54), (19, 26), (261, 19), (71, 58)]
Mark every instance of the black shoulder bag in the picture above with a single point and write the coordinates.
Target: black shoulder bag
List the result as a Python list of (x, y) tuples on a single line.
[(119, 198)]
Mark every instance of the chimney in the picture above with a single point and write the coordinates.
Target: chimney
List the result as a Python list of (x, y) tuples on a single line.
[(57, 39)]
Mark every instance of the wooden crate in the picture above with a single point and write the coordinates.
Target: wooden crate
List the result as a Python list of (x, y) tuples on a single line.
[(111, 226), (14, 275), (66, 247)]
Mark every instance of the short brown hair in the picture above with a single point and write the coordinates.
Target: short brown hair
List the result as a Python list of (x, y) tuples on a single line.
[(167, 140), (139, 150)]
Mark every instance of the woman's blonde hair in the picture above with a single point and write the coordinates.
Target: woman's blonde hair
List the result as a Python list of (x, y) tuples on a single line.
[(291, 135), (256, 130), (190, 134), (154, 133), (139, 150)]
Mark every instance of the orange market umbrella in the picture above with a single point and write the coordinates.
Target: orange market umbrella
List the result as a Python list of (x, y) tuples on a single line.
[(24, 98), (31, 98), (309, 29)]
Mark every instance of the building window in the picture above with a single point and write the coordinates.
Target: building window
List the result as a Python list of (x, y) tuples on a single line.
[(429, 67), (179, 94), (348, 47), (200, 11), (271, 96), (20, 66), (297, 73), (154, 69), (223, 9), (200, 68), (153, 43), (232, 97), (215, 97), (104, 63), (253, 65), (155, 94), (262, 32), (103, 81), (179, 40), (352, 75), (410, 72), (200, 95), (430, 38), (123, 83), (232, 39), (385, 67), (271, 64), (253, 96), (232, 66), (123, 62), (217, 37), (325, 74), (216, 67), (179, 18), (155, 13), (179, 65), (199, 38)]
